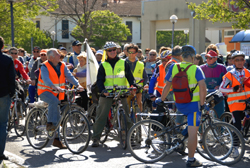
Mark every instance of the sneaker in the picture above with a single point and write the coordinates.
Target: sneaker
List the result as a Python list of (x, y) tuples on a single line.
[(95, 143), (50, 127), (194, 163), (235, 152)]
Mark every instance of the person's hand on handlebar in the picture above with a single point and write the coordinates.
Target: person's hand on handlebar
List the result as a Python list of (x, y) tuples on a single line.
[(28, 81), (238, 88), (58, 89), (105, 93), (80, 88)]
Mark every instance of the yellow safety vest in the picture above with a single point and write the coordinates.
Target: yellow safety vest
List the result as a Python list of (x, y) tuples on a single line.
[(138, 72)]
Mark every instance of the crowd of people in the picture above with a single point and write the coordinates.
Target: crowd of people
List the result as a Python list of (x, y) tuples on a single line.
[(47, 71)]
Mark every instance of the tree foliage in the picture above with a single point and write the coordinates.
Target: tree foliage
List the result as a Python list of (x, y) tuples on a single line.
[(102, 26), (164, 38), (236, 12), (24, 28)]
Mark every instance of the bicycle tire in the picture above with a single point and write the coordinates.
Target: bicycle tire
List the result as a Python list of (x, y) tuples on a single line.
[(150, 148), (10, 120), (19, 121), (92, 113), (76, 132), (122, 128), (36, 128), (226, 117), (215, 139)]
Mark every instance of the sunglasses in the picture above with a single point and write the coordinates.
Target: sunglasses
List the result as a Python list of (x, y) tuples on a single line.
[(152, 54), (209, 58), (130, 52), (36, 51), (13, 53), (139, 51), (112, 50), (43, 55)]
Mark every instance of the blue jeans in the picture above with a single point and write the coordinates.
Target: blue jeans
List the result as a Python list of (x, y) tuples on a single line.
[(4, 113), (53, 111), (32, 93)]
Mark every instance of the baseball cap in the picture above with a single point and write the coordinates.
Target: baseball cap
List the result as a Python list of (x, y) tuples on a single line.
[(211, 54), (62, 48), (43, 51), (36, 48), (99, 52), (76, 42)]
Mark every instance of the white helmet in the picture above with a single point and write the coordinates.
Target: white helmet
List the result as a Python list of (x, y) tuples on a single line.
[(238, 53), (109, 44)]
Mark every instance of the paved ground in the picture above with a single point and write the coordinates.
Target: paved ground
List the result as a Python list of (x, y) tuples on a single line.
[(109, 155)]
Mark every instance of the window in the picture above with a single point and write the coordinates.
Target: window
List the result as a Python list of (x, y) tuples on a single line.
[(65, 29), (38, 24), (129, 24)]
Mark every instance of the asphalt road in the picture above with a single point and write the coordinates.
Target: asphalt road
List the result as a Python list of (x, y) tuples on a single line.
[(109, 155)]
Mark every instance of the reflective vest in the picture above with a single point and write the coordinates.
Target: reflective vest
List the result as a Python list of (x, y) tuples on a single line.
[(191, 79), (170, 61), (138, 73), (115, 76), (234, 97), (160, 80), (57, 81)]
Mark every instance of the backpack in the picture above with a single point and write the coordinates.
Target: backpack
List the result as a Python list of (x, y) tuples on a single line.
[(180, 85)]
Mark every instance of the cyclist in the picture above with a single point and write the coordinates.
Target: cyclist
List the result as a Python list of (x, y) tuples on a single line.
[(192, 109), (137, 68), (51, 80), (233, 85), (158, 77), (113, 71)]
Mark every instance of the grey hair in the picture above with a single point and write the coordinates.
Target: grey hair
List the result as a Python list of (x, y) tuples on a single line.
[(50, 53)]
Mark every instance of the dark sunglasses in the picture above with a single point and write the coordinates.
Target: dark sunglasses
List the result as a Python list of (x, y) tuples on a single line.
[(36, 51), (43, 55), (152, 54), (209, 58), (111, 50), (130, 52), (13, 53)]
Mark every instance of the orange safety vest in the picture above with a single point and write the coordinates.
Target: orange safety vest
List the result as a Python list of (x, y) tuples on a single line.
[(57, 81), (170, 61), (160, 80), (234, 97)]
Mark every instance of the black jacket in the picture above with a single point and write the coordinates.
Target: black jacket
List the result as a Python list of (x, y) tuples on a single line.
[(101, 76), (7, 75)]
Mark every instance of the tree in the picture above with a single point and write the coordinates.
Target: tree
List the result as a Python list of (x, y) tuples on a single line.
[(236, 12), (164, 38), (24, 28), (102, 26)]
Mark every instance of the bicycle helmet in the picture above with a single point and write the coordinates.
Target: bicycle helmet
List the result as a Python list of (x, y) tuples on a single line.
[(166, 54), (188, 50), (109, 44), (238, 53)]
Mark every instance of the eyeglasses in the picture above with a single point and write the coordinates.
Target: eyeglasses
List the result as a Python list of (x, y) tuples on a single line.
[(130, 52), (239, 60), (13, 53), (209, 58), (139, 51), (152, 54), (36, 51), (79, 45), (43, 55), (111, 50)]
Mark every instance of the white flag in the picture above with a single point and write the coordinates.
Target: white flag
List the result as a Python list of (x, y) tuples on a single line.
[(92, 67)]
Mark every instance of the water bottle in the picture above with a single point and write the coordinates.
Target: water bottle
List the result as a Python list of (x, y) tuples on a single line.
[(245, 120), (185, 132)]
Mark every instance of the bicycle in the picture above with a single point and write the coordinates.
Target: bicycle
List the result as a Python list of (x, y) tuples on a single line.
[(76, 129), (116, 120), (17, 114), (219, 140), (227, 117)]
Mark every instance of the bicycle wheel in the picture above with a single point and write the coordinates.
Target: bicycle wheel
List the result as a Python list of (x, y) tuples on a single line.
[(78, 108), (150, 145), (227, 117), (19, 123), (122, 128), (105, 132), (10, 120), (76, 132), (36, 128), (92, 113), (224, 143)]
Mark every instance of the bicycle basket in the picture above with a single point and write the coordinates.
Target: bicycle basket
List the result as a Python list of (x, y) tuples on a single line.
[(214, 98)]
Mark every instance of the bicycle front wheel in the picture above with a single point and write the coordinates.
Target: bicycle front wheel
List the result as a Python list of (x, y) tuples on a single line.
[(36, 128), (224, 143), (227, 117), (122, 129), (19, 123), (146, 141), (76, 132)]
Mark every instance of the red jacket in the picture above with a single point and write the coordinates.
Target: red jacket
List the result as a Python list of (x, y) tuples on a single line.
[(19, 68)]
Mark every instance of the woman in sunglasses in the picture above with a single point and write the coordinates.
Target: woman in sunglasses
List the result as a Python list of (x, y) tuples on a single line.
[(214, 72)]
